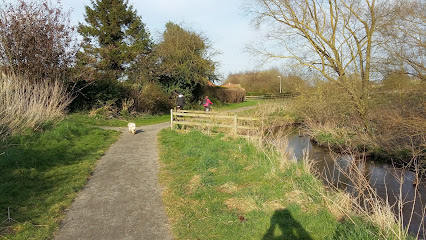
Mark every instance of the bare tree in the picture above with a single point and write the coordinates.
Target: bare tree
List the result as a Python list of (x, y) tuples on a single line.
[(36, 39), (403, 36), (334, 37)]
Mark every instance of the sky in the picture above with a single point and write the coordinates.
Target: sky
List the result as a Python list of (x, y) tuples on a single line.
[(223, 22)]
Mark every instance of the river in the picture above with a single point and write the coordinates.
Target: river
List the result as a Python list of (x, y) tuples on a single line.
[(383, 177)]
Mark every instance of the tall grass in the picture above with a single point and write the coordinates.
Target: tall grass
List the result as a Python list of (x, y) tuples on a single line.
[(26, 104), (362, 199)]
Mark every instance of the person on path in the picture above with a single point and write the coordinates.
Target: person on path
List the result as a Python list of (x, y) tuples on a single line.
[(207, 103), (180, 101)]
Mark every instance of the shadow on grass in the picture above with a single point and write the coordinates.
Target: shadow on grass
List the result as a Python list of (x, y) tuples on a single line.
[(41, 175), (284, 226)]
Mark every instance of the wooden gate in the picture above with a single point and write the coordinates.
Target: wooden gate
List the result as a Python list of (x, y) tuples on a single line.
[(216, 122)]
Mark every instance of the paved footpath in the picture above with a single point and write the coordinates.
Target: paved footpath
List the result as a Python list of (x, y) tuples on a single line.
[(122, 200)]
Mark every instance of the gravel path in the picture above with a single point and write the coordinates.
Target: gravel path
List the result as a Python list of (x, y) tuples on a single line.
[(122, 200)]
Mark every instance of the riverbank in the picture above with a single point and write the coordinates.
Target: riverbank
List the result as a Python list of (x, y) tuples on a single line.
[(224, 188), (376, 144)]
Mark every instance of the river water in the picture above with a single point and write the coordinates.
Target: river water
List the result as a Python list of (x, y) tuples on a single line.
[(382, 177)]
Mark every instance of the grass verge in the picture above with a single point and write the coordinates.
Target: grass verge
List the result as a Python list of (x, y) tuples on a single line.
[(41, 173), (221, 188)]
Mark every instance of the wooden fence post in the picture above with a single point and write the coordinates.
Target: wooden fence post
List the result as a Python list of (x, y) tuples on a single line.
[(171, 119), (235, 125)]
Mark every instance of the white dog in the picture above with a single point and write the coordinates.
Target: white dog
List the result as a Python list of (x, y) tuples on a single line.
[(132, 127)]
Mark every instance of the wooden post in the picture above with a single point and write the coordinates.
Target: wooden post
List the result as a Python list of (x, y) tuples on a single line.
[(261, 130), (235, 125), (171, 119)]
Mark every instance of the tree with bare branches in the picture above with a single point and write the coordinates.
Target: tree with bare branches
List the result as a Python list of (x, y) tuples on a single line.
[(36, 39), (334, 37), (402, 36)]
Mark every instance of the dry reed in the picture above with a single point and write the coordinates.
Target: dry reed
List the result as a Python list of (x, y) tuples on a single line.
[(25, 104), (365, 201)]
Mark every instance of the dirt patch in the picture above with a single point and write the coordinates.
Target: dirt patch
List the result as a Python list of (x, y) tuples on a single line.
[(228, 187), (273, 205), (241, 204), (193, 184), (299, 197)]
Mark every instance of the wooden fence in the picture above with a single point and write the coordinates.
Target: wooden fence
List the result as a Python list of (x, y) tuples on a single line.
[(220, 122), (270, 96)]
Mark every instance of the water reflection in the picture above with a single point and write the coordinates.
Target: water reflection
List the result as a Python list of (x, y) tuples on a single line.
[(390, 183)]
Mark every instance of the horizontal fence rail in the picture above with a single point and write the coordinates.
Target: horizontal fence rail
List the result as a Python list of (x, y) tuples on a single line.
[(215, 121)]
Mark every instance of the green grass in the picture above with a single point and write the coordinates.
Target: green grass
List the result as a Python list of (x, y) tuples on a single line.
[(327, 139), (214, 190), (98, 120), (232, 106), (41, 173), (219, 106)]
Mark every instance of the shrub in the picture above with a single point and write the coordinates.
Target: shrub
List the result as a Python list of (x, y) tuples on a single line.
[(226, 95), (326, 103), (267, 81), (94, 94), (395, 117), (398, 117), (150, 98)]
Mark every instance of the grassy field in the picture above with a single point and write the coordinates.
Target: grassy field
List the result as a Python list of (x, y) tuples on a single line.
[(232, 106), (41, 173), (221, 188)]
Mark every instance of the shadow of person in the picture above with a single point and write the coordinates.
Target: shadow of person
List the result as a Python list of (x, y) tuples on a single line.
[(284, 226)]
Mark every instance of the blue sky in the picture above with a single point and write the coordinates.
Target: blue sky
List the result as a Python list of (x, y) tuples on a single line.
[(223, 22)]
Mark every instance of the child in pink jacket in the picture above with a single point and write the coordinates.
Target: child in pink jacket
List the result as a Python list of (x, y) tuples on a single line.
[(207, 103)]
